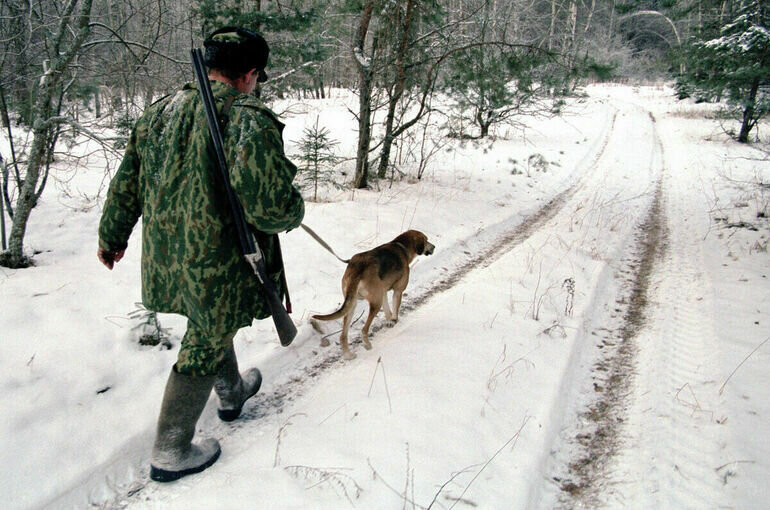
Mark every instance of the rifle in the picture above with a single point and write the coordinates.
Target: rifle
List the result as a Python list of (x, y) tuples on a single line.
[(251, 252)]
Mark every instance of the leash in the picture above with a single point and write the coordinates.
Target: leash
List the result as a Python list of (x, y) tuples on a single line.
[(323, 243)]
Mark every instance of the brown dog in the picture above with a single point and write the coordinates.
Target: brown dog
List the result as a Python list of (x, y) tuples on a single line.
[(370, 275)]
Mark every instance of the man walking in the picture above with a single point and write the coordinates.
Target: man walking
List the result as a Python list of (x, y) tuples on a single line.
[(191, 260)]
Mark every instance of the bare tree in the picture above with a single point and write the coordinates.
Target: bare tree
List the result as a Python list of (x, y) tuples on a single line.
[(82, 51), (403, 17), (66, 40)]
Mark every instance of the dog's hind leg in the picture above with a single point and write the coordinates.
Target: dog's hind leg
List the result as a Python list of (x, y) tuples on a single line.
[(374, 308), (344, 335)]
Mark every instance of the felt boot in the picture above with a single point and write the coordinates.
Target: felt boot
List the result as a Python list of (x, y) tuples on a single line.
[(234, 389), (174, 455)]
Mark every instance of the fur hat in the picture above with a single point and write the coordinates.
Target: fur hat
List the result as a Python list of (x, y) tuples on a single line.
[(237, 50)]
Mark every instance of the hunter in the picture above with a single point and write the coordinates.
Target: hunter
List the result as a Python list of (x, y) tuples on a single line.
[(191, 260)]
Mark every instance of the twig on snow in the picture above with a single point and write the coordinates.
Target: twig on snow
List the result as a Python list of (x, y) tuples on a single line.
[(387, 391), (441, 489), (720, 468), (330, 476), (696, 407), (343, 406), (394, 490), (721, 389), (277, 459), (511, 440)]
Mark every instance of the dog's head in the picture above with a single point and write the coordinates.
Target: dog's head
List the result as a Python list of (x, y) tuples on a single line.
[(417, 241)]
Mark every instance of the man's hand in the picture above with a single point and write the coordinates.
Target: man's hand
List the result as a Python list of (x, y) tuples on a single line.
[(109, 258)]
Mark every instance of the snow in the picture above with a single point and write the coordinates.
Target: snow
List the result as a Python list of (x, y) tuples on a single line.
[(477, 396)]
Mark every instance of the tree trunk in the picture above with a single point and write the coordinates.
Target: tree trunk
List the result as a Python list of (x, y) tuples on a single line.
[(570, 35), (6, 198), (42, 127), (552, 27), (28, 196), (364, 67), (2, 211), (748, 113), (364, 131), (484, 122), (398, 89), (590, 17), (612, 19), (570, 45)]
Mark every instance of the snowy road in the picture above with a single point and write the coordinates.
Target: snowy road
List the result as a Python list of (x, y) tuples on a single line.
[(462, 344), (574, 350)]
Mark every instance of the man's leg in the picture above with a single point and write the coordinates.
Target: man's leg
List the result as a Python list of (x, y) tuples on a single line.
[(174, 455), (234, 389)]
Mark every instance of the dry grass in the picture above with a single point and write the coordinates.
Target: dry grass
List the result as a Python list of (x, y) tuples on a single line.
[(697, 111)]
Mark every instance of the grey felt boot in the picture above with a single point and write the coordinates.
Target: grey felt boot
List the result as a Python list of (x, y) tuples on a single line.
[(234, 389), (174, 455)]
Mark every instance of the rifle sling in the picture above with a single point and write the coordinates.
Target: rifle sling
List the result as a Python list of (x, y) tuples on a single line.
[(224, 118)]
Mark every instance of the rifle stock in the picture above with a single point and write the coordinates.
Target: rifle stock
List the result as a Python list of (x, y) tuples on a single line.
[(250, 249)]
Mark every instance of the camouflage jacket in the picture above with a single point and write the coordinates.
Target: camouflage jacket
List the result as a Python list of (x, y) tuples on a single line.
[(191, 260)]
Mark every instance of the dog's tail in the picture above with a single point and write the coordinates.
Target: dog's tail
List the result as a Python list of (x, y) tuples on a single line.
[(347, 305)]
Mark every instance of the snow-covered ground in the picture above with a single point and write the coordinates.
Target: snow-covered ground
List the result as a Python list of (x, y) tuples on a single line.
[(589, 332)]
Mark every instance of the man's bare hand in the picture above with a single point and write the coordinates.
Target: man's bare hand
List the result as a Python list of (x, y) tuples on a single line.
[(109, 258)]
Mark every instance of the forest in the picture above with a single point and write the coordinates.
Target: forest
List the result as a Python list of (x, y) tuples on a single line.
[(591, 330), (85, 69)]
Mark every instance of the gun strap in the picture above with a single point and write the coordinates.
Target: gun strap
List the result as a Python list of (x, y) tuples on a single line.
[(224, 118), (224, 114)]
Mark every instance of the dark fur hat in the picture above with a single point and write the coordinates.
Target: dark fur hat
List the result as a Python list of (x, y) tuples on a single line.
[(236, 50)]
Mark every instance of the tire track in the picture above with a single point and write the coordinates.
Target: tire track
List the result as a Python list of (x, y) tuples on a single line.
[(673, 452), (494, 249), (601, 435), (613, 374)]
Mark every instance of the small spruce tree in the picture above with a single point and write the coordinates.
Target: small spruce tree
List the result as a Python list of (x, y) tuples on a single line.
[(317, 158)]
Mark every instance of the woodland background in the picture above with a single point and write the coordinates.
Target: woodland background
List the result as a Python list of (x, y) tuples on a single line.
[(89, 67)]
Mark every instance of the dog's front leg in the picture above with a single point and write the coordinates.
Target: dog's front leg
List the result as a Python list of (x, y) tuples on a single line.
[(386, 307)]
